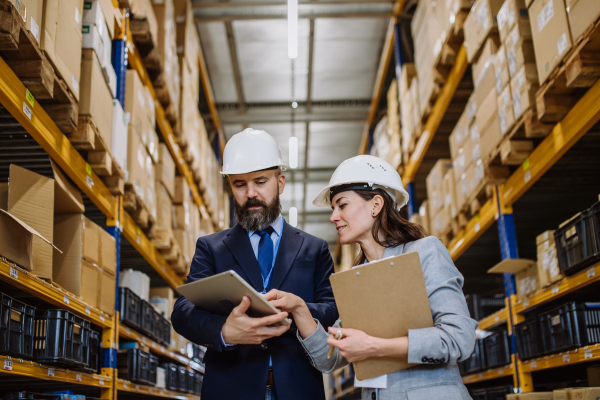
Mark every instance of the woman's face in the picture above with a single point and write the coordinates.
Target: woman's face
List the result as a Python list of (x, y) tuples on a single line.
[(353, 216)]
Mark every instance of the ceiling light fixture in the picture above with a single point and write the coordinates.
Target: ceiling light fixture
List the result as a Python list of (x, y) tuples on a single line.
[(292, 18), (293, 146), (293, 214)]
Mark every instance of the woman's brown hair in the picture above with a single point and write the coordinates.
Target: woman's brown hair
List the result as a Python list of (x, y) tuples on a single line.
[(390, 228)]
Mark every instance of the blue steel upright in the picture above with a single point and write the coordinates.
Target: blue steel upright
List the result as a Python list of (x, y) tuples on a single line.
[(398, 50), (411, 206)]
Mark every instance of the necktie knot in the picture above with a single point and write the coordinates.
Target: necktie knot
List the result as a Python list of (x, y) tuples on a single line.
[(269, 230)]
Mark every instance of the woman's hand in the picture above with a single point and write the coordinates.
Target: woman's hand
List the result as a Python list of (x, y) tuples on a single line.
[(294, 305), (356, 345)]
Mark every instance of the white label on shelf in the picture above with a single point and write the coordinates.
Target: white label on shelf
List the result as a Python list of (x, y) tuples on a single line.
[(102, 317), (480, 376), (35, 29), (143, 340), (8, 365), (562, 44), (66, 299), (590, 272), (137, 239), (89, 181), (554, 289), (501, 372), (151, 390), (77, 377), (128, 331), (162, 349), (27, 110), (527, 176), (545, 16), (137, 387), (51, 372), (533, 365), (153, 345), (125, 385), (14, 273), (526, 303), (87, 310), (101, 381), (566, 358), (497, 318), (477, 227), (588, 354)]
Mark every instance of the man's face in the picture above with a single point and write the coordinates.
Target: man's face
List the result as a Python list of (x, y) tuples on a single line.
[(256, 196)]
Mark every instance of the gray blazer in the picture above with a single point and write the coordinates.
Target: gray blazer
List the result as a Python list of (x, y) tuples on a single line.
[(436, 349)]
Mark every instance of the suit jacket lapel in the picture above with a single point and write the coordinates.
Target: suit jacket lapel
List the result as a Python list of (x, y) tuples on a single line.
[(238, 243), (289, 246)]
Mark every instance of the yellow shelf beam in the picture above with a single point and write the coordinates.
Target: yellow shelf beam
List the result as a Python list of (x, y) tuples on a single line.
[(437, 114), (493, 320), (23, 280), (43, 129), (144, 246), (581, 355), (490, 374), (567, 285), (159, 348), (30, 369), (126, 386)]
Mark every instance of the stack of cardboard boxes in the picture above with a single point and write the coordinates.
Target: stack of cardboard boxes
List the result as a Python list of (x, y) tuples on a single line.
[(186, 227), (394, 156), (422, 217), (410, 115), (83, 260), (583, 393), (441, 197), (165, 190), (547, 257)]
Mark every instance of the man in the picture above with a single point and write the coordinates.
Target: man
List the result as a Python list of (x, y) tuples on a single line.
[(248, 358)]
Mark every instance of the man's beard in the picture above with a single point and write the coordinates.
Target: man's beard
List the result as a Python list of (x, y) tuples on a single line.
[(259, 219)]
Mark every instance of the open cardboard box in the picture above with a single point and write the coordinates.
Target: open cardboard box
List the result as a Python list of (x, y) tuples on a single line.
[(526, 274)]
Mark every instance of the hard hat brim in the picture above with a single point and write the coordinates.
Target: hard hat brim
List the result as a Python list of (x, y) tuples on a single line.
[(282, 166), (322, 199)]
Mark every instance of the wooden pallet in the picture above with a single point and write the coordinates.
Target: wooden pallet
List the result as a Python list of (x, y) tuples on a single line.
[(21, 51), (138, 210), (450, 48), (571, 79)]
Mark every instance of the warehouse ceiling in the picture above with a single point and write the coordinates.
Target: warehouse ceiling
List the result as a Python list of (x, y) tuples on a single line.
[(254, 83)]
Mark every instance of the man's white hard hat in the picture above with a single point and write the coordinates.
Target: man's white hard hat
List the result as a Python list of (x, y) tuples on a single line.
[(251, 150), (364, 172)]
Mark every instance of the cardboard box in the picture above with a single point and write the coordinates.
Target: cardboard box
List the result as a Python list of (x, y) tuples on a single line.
[(506, 112), (119, 136), (548, 266), (484, 74), (536, 396), (108, 251), (165, 170), (61, 39), (480, 24), (593, 375), (582, 14), (67, 266), (90, 283), (487, 112), (31, 201), (137, 281), (136, 163), (150, 196), (137, 105), (519, 50), (547, 236), (524, 87), (164, 209), (34, 16), (561, 394), (491, 137), (95, 30), (589, 393), (434, 184), (167, 300), (106, 298), (526, 275), (551, 35), (501, 69), (512, 12), (440, 222), (459, 134), (181, 218), (450, 194), (182, 190), (96, 99), (108, 10)]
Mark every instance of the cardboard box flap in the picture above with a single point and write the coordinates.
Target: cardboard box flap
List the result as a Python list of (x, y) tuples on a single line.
[(67, 198), (511, 266), (29, 229)]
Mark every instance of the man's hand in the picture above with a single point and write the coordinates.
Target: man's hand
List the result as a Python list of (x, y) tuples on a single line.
[(242, 329), (284, 301)]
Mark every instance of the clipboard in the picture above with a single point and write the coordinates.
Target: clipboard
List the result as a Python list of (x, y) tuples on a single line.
[(384, 299)]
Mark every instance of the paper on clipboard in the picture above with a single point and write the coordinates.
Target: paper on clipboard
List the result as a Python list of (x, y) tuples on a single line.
[(384, 299)]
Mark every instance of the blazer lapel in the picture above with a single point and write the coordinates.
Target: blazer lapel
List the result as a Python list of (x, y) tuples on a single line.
[(239, 245), (289, 246)]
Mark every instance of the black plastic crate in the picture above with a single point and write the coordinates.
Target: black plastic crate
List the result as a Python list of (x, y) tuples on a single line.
[(62, 337), (147, 318), (171, 376), (182, 379), (196, 385), (162, 330), (529, 338), (478, 394), (30, 396), (137, 366), (479, 307), (95, 352), (499, 392), (198, 353), (130, 308), (497, 349), (476, 362), (189, 385), (578, 242), (570, 326), (16, 327)]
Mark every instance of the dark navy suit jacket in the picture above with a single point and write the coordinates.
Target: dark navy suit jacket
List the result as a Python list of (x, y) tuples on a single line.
[(302, 266)]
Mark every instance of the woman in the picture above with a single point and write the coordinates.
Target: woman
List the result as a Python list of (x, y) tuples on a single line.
[(366, 194)]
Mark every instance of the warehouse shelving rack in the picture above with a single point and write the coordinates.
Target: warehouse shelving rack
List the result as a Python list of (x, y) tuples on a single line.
[(17, 100)]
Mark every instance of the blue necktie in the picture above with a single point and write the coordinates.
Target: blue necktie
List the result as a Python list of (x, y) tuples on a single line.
[(265, 253)]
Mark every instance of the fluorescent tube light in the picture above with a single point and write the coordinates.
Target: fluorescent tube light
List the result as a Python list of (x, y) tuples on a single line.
[(293, 216), (293, 146)]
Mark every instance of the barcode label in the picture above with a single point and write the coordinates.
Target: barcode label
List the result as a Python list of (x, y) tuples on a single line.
[(588, 354), (102, 317), (66, 299), (477, 227), (8, 365), (137, 239), (14, 273), (125, 386), (591, 273), (128, 331), (501, 372), (89, 181), (51, 372), (533, 365), (27, 110), (77, 377), (87, 310), (527, 176), (566, 358), (101, 381), (526, 303), (554, 289), (497, 318)]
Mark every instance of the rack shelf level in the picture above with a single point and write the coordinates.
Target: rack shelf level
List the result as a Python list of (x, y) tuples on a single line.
[(15, 366), (580, 355), (493, 320), (130, 387), (21, 279), (494, 373)]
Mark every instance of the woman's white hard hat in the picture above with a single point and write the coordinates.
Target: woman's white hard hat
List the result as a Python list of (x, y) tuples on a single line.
[(251, 150), (368, 172)]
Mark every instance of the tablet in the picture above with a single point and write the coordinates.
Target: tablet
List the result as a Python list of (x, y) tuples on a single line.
[(221, 293)]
